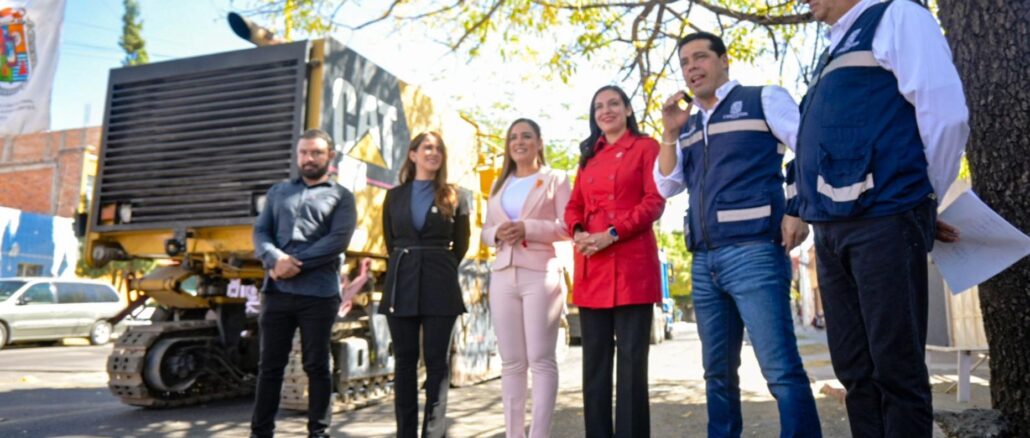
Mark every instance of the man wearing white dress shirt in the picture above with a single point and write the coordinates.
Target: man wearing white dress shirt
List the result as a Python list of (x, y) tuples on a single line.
[(739, 226), (883, 126)]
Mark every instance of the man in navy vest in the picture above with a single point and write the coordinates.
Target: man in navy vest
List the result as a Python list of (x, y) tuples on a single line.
[(882, 131), (730, 157)]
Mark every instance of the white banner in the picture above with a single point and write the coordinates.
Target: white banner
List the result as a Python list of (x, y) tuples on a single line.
[(30, 31)]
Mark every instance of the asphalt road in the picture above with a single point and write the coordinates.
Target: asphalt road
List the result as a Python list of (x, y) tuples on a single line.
[(61, 391)]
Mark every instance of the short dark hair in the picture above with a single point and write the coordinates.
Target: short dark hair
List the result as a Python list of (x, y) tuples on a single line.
[(714, 42), (316, 134)]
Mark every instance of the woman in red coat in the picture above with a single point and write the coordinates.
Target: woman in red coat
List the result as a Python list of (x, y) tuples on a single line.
[(613, 207)]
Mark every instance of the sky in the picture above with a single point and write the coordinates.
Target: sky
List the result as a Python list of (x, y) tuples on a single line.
[(89, 48), (505, 89)]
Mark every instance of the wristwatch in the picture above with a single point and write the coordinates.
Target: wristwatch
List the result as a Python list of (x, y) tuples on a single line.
[(613, 233)]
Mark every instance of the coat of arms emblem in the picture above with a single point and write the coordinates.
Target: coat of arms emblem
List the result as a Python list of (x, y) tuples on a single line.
[(15, 31)]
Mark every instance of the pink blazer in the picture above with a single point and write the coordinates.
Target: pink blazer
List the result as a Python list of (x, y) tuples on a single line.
[(542, 215)]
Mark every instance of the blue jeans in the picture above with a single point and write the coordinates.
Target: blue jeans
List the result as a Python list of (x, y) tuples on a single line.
[(748, 285)]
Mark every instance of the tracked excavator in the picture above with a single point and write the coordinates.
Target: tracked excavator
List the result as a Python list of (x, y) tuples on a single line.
[(189, 149)]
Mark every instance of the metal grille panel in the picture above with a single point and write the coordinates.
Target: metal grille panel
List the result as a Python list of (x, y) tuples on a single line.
[(191, 142)]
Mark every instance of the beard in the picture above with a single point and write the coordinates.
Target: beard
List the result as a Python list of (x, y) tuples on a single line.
[(314, 171)]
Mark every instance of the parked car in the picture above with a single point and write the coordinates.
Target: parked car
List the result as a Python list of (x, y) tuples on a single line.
[(49, 309)]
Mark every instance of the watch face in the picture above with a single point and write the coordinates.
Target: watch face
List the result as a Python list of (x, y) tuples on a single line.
[(612, 232)]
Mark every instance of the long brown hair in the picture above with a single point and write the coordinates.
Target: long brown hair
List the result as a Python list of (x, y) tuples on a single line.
[(445, 197), (509, 164)]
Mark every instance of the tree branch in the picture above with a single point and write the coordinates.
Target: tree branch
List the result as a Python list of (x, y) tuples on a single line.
[(381, 17), (478, 24), (577, 7), (707, 4), (436, 12), (766, 20)]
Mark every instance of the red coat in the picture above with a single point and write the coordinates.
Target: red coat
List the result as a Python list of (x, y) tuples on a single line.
[(617, 189)]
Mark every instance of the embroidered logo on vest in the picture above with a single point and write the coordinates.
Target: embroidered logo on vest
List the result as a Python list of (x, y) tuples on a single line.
[(736, 111)]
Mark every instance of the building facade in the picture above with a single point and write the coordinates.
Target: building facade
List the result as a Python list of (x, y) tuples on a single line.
[(45, 178), (48, 173)]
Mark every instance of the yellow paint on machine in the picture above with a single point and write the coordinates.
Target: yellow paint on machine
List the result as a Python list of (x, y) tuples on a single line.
[(471, 166)]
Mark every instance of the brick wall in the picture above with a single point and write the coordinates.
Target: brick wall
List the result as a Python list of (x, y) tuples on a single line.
[(42, 172)]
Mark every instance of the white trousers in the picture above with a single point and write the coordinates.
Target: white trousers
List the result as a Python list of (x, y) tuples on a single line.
[(526, 306)]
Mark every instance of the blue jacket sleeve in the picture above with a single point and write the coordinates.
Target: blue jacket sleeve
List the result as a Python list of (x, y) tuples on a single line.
[(264, 232), (335, 242)]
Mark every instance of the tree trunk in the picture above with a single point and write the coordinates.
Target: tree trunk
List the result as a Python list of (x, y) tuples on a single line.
[(990, 40)]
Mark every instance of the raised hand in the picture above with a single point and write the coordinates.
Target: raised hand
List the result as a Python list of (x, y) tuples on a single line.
[(674, 117)]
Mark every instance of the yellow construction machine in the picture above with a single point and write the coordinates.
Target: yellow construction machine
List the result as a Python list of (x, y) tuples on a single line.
[(189, 149)]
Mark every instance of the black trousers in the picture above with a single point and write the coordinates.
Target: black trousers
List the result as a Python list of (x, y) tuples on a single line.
[(873, 277), (281, 315), (623, 332), (436, 348)]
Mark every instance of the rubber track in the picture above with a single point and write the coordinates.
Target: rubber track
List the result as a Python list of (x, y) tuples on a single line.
[(359, 392), (127, 361)]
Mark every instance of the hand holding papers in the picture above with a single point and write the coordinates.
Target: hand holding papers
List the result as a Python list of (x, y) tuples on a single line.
[(988, 244)]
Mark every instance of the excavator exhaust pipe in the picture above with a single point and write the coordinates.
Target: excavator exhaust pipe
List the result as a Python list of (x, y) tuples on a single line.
[(252, 32)]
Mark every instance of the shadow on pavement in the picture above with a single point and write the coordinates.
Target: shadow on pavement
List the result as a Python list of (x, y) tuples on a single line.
[(91, 412), (679, 409)]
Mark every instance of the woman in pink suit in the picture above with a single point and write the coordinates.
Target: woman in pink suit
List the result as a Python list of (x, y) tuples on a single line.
[(523, 220)]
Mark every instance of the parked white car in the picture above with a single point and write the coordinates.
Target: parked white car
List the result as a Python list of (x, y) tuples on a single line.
[(49, 309)]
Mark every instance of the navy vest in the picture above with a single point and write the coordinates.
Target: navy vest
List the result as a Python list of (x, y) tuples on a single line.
[(734, 176), (859, 150)]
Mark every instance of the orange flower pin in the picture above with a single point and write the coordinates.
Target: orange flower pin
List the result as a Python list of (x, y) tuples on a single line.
[(539, 183)]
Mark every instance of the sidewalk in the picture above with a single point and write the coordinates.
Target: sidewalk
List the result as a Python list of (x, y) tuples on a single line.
[(943, 376), (36, 382), (677, 400)]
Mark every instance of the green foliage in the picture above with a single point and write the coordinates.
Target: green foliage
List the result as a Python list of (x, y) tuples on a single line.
[(680, 259), (131, 40), (492, 129), (561, 36), (561, 157), (313, 18), (963, 170)]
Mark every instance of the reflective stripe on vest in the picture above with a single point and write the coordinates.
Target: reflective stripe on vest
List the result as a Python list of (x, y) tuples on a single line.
[(738, 125), (847, 193), (727, 127), (687, 140), (744, 214), (863, 58)]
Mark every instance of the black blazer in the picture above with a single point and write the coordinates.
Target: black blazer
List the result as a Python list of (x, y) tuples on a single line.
[(422, 276)]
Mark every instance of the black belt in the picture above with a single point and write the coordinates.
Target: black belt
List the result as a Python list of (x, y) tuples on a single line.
[(402, 252)]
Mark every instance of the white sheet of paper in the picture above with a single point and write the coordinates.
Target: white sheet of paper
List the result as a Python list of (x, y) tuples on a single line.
[(987, 245)]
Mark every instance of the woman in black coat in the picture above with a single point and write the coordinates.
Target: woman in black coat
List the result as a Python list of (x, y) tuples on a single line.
[(426, 228)]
